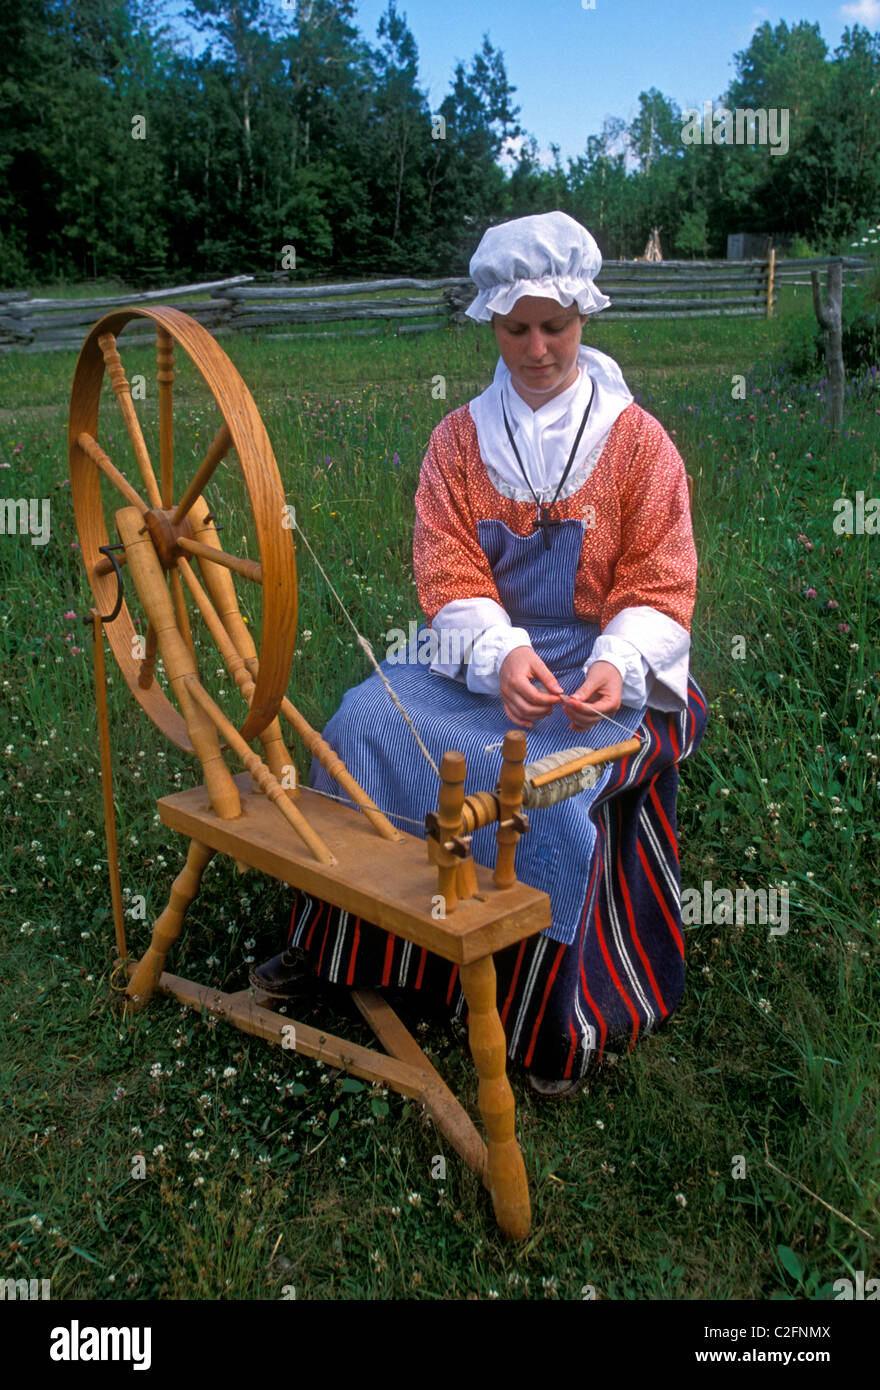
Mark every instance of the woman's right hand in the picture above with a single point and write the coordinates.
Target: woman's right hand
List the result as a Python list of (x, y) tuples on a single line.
[(522, 701)]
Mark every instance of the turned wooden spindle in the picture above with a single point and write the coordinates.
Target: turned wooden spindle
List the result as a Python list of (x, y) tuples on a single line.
[(261, 773), (167, 928), (453, 770), (149, 581), (119, 382), (165, 378), (507, 1174), (224, 601), (510, 785)]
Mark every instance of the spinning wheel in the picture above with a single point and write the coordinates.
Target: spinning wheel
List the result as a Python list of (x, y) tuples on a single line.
[(353, 859), (182, 529)]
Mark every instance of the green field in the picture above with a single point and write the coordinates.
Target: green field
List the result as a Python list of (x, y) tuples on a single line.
[(264, 1170)]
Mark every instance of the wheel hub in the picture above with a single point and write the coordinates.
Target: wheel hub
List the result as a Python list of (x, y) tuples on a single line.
[(165, 535)]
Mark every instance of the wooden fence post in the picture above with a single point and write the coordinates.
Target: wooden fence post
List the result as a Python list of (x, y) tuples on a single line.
[(830, 314), (771, 277)]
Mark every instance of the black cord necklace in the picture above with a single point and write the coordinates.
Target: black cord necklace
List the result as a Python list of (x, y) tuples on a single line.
[(544, 521)]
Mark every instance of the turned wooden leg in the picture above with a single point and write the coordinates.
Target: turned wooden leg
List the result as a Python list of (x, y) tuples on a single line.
[(143, 982), (507, 1172)]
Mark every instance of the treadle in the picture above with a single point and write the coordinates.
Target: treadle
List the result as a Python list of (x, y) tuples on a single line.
[(403, 1067)]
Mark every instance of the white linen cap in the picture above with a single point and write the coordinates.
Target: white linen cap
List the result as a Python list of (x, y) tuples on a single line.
[(549, 255)]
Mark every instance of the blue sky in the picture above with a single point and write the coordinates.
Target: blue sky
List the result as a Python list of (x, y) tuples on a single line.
[(572, 66)]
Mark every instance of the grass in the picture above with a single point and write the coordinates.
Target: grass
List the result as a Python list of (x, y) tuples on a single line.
[(265, 1173)]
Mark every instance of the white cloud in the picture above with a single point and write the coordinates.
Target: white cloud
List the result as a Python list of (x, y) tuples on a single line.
[(863, 11)]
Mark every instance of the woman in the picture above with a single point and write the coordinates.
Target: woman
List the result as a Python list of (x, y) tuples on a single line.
[(554, 557)]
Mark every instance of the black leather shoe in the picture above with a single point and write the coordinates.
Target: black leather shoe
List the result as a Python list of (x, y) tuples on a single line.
[(284, 975), (547, 1089)]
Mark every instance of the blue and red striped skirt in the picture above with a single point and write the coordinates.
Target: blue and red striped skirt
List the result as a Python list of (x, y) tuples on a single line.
[(620, 972)]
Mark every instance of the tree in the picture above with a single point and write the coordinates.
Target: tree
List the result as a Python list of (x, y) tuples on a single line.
[(399, 129), (480, 119), (655, 133)]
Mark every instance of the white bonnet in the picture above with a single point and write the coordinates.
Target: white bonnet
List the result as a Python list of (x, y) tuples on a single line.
[(549, 255)]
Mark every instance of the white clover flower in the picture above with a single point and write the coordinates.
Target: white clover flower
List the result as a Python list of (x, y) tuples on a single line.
[(681, 1199)]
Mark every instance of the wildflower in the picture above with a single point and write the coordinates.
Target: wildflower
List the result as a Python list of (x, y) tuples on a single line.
[(414, 1199), (681, 1199), (810, 593), (832, 603), (764, 1005)]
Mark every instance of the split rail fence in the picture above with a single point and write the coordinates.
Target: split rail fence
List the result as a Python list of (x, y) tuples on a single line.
[(638, 289)]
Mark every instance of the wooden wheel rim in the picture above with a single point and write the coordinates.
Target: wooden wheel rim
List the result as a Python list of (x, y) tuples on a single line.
[(265, 491)]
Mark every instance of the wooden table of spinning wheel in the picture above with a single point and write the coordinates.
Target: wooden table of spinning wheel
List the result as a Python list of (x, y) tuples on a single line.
[(353, 859)]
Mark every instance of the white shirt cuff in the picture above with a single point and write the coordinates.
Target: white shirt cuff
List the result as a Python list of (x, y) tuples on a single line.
[(474, 636), (664, 647)]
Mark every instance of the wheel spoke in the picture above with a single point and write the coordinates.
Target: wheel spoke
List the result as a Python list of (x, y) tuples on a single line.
[(165, 378), (220, 446), (92, 448), (116, 372), (105, 564), (260, 773), (248, 569), (180, 612)]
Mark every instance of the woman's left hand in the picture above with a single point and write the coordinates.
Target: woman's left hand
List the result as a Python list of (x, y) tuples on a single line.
[(602, 689)]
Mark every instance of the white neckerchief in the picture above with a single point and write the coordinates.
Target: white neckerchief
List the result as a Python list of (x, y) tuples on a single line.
[(544, 437)]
